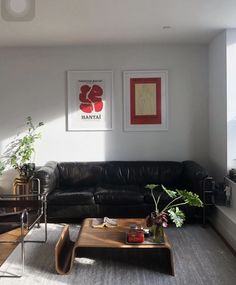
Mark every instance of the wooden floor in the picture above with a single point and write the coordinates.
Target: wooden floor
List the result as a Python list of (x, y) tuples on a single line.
[(7, 248)]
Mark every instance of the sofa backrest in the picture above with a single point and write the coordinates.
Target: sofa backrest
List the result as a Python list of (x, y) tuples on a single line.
[(81, 174), (144, 172)]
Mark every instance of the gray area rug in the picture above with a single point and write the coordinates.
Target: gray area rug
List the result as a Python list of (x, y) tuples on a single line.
[(200, 258)]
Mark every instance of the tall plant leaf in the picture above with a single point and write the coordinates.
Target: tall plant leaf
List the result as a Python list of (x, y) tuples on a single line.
[(177, 216)]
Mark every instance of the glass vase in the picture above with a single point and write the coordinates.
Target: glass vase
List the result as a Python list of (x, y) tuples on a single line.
[(157, 234)]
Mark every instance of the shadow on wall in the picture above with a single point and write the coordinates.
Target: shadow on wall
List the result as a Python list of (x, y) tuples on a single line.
[(186, 137), (8, 132), (6, 180), (33, 82)]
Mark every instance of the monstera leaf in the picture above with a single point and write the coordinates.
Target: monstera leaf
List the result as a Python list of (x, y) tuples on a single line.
[(190, 198), (170, 193), (1, 168), (177, 216)]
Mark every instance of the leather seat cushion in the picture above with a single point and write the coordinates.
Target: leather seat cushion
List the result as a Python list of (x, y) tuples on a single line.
[(118, 195), (72, 196)]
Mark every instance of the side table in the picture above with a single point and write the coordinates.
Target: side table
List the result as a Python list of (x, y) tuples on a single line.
[(208, 197), (22, 186)]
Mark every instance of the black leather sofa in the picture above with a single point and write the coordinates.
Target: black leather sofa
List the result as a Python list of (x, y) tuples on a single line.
[(77, 190)]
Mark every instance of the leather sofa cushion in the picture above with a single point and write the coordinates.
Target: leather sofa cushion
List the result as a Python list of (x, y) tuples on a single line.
[(72, 196), (122, 173), (80, 173), (168, 173), (118, 195)]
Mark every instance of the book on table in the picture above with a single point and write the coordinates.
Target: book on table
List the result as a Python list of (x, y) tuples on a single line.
[(104, 222)]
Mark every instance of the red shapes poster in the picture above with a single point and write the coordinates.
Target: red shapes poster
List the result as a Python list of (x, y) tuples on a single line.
[(89, 100)]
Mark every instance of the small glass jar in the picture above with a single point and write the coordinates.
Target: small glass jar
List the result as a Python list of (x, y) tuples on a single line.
[(135, 234)]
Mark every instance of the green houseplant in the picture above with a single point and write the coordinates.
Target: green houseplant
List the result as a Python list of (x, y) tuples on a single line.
[(19, 151), (159, 217)]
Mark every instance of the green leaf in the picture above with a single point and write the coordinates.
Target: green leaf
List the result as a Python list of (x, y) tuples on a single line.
[(170, 193), (177, 216), (151, 186), (20, 150), (191, 198), (2, 167)]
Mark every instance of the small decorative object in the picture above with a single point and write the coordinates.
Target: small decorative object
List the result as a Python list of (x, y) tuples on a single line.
[(104, 222), (135, 234), (158, 219), (232, 174), (147, 233), (19, 152), (227, 191)]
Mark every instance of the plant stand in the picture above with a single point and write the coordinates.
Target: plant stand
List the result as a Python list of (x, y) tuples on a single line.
[(24, 186)]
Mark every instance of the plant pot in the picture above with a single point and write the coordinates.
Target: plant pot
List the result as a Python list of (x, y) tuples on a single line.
[(27, 170), (157, 234)]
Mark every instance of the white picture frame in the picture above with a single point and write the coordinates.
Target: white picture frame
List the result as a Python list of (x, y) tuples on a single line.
[(89, 100), (145, 95)]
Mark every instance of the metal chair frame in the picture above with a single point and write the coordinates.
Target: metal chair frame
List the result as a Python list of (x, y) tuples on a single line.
[(26, 201)]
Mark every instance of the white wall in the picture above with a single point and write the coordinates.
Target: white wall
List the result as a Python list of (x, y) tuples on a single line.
[(218, 107), (222, 103), (231, 98), (33, 82), (222, 125)]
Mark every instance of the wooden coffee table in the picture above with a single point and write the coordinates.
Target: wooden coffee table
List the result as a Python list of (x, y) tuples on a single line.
[(89, 237)]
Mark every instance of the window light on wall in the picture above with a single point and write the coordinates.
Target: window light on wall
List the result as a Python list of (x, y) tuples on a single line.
[(18, 10)]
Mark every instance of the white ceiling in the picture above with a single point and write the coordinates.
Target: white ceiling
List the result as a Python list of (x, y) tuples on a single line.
[(77, 22)]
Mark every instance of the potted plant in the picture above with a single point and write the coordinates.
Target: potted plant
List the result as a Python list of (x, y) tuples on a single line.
[(18, 153), (159, 217)]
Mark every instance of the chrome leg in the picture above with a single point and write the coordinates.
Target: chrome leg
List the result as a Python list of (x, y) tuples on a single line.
[(24, 225), (45, 218), (22, 249), (42, 212)]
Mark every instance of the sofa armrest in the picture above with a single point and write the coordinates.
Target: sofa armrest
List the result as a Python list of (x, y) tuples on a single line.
[(48, 176), (194, 175)]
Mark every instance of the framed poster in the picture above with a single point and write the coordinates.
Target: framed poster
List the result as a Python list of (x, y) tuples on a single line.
[(145, 100), (89, 100)]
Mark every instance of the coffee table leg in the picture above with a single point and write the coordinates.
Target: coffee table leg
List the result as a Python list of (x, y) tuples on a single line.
[(64, 253), (171, 261)]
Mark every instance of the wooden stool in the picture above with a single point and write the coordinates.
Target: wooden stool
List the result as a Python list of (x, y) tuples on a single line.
[(22, 186)]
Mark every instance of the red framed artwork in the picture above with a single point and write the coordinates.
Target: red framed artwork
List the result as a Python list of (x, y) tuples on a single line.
[(145, 100), (89, 100)]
